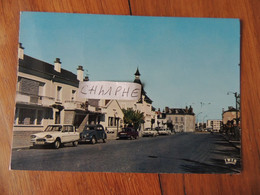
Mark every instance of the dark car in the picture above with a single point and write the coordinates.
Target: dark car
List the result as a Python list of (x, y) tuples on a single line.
[(93, 133), (128, 133)]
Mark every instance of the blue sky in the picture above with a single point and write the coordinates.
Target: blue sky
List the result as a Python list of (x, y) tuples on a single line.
[(182, 61)]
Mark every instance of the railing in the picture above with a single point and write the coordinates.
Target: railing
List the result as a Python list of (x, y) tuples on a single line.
[(71, 104), (34, 99)]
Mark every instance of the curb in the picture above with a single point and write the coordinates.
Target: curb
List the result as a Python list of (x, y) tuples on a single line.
[(234, 145), (20, 147)]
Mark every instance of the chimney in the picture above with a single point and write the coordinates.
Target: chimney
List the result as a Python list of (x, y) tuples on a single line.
[(80, 72), (20, 51), (57, 65)]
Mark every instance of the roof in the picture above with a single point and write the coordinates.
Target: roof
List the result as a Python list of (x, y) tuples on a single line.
[(177, 111), (137, 73), (231, 110), (143, 93), (45, 70)]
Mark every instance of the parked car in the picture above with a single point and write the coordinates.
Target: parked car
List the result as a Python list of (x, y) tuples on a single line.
[(56, 135), (149, 132), (93, 133), (128, 133), (164, 132)]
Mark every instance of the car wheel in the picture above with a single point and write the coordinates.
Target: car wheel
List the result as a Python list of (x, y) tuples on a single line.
[(131, 137), (75, 143), (57, 144), (93, 140)]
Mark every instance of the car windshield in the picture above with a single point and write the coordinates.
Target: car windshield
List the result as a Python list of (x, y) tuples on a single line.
[(88, 128), (53, 128), (127, 130)]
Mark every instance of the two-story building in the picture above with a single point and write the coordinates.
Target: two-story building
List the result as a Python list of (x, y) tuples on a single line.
[(47, 94)]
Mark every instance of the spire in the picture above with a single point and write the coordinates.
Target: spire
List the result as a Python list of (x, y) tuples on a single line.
[(137, 77), (137, 73)]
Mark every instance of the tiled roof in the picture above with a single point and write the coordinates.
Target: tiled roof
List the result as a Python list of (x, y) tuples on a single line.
[(45, 70)]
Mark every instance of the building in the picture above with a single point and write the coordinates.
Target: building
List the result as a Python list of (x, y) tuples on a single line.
[(215, 125), (230, 115), (144, 104), (112, 115), (177, 119), (46, 94)]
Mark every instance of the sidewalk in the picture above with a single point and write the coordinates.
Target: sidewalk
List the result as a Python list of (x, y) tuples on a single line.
[(21, 139), (235, 143)]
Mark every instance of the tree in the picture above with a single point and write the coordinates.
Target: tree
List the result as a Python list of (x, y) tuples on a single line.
[(133, 117)]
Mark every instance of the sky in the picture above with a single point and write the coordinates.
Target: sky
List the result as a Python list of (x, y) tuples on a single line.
[(182, 61)]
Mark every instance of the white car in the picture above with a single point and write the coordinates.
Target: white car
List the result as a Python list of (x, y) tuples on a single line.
[(149, 132), (56, 135), (164, 132)]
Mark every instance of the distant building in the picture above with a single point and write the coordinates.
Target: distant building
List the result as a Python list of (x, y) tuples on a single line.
[(214, 124), (177, 119), (230, 115)]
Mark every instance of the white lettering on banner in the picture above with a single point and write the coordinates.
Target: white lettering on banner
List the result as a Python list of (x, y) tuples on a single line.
[(109, 90)]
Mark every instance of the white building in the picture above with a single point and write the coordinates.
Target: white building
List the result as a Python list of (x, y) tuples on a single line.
[(47, 94), (112, 115), (215, 125), (144, 104)]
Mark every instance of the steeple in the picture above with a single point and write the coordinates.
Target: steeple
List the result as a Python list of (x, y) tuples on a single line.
[(137, 76)]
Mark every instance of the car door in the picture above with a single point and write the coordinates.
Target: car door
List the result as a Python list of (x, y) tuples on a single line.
[(65, 134), (99, 132)]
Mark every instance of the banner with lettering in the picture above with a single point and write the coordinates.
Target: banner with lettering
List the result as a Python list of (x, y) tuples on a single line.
[(109, 90)]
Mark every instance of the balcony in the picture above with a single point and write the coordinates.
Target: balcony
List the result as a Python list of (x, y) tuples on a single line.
[(31, 99), (71, 105)]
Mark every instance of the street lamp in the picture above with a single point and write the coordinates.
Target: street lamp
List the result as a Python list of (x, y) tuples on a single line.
[(198, 116), (236, 96)]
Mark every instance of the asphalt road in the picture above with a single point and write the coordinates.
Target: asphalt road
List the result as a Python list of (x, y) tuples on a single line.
[(179, 153)]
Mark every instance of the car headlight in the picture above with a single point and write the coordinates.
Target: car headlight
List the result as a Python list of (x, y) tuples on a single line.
[(48, 136), (33, 136)]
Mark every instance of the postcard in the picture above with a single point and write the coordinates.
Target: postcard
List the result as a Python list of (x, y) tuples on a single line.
[(134, 94)]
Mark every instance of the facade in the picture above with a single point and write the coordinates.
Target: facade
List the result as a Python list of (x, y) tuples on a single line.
[(230, 115), (177, 119), (144, 104), (112, 115), (46, 94), (215, 125)]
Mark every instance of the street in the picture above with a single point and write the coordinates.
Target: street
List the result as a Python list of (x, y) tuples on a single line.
[(178, 153)]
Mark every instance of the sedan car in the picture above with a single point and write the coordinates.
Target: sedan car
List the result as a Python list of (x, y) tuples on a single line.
[(56, 135), (128, 133), (93, 133), (164, 132), (149, 132)]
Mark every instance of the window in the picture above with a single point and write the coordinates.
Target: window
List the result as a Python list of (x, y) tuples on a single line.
[(181, 119), (39, 117), (176, 119), (58, 94), (110, 121), (73, 95), (26, 116)]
